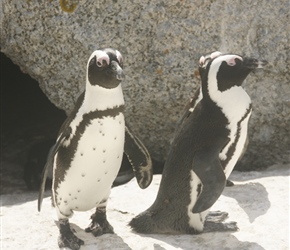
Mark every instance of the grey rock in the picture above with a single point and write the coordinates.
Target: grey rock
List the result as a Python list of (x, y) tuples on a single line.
[(161, 42)]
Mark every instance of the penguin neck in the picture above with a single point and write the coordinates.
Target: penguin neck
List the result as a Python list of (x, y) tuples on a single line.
[(233, 102), (99, 98)]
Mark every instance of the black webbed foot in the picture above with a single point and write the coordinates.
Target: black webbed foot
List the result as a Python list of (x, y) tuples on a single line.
[(67, 238), (99, 224), (214, 223), (217, 216), (211, 226)]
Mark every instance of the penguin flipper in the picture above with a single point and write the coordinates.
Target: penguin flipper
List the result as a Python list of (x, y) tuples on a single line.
[(47, 166), (210, 172), (139, 158), (49, 163)]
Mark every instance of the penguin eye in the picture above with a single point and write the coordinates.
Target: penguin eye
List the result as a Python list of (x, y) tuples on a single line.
[(103, 61), (100, 58), (99, 64), (233, 60), (119, 58)]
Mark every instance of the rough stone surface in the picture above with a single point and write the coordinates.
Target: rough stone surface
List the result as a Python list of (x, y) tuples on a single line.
[(161, 42), (259, 203)]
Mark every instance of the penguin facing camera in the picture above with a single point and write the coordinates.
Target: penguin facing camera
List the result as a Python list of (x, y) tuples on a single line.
[(88, 152), (37, 157), (208, 142)]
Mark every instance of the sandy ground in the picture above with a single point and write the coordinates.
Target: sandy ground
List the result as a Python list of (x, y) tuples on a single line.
[(259, 203)]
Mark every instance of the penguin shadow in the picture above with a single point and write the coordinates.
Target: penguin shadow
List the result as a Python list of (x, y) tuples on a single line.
[(273, 171), (105, 241), (205, 241), (252, 198), (9, 200)]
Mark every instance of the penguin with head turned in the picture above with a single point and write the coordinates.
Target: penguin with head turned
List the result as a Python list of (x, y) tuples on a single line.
[(207, 144), (203, 61), (88, 152)]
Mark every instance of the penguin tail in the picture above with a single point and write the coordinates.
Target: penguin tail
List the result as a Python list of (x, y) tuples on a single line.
[(144, 223)]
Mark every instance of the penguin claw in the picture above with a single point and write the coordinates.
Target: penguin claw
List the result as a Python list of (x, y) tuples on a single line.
[(217, 216), (210, 226), (67, 237), (70, 240), (97, 230), (99, 224)]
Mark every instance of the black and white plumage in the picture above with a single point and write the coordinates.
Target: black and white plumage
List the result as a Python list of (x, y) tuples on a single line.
[(88, 153), (207, 144), (203, 61)]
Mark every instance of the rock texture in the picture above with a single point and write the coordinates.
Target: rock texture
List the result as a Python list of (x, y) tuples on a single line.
[(161, 42), (259, 203)]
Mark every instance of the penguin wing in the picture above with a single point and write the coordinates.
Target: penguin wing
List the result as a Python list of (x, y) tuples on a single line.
[(49, 163), (139, 159), (62, 136), (189, 108), (207, 166)]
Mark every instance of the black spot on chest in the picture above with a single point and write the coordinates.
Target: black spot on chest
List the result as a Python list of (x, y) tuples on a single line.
[(65, 155)]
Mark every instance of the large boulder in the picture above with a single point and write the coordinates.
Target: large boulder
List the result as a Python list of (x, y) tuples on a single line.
[(161, 42)]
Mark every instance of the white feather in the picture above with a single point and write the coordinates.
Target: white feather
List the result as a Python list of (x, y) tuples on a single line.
[(96, 98), (234, 103), (196, 220), (94, 167)]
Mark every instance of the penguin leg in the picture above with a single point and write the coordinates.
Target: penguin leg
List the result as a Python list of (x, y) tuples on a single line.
[(211, 226), (66, 237), (99, 224)]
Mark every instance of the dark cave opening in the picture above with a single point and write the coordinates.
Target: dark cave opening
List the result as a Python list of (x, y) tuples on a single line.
[(27, 119)]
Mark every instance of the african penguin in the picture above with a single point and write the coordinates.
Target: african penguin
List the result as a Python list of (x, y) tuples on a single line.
[(198, 96), (210, 136), (88, 153)]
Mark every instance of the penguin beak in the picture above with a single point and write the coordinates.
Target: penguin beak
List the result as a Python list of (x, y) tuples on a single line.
[(252, 63), (117, 71)]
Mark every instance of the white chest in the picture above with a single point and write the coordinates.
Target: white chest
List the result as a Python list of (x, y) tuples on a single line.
[(196, 220), (95, 165)]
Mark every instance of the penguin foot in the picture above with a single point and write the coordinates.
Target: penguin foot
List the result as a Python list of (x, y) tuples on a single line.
[(98, 229), (210, 226), (67, 238), (217, 216), (145, 224), (99, 224)]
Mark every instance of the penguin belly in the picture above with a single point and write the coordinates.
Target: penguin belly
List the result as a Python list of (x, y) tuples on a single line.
[(94, 167)]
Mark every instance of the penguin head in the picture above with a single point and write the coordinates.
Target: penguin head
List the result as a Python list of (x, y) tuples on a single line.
[(104, 68), (224, 71)]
